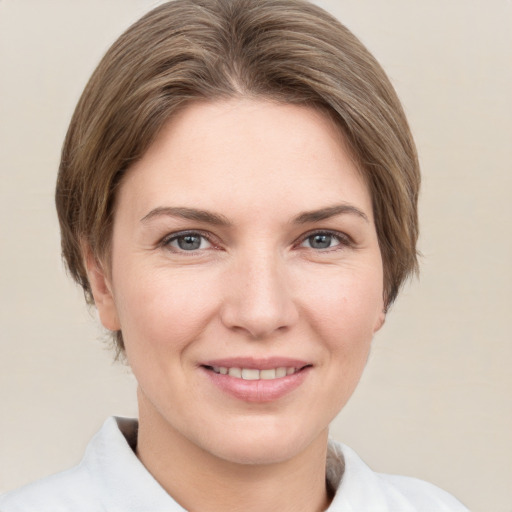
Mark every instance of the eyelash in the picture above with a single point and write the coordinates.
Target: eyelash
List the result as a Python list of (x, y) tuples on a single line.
[(343, 240), (166, 241)]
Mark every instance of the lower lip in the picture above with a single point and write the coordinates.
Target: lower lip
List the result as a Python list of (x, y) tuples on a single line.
[(257, 390)]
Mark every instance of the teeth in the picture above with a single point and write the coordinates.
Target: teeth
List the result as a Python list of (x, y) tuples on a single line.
[(235, 372), (268, 374), (254, 373), (250, 374), (280, 372)]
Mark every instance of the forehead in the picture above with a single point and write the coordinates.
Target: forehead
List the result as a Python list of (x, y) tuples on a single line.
[(242, 153)]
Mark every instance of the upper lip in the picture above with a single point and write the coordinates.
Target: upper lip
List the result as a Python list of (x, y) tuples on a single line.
[(256, 363)]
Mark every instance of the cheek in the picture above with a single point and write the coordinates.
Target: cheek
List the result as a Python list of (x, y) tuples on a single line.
[(343, 318), (160, 310), (346, 303), (343, 315)]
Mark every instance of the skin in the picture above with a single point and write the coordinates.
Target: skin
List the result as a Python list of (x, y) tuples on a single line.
[(256, 287)]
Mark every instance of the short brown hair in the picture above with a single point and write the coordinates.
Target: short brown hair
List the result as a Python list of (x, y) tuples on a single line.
[(285, 50)]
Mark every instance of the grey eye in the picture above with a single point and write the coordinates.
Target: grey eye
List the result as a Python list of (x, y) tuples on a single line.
[(321, 241), (190, 242)]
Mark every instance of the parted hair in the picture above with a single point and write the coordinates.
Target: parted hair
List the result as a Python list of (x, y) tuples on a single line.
[(289, 51)]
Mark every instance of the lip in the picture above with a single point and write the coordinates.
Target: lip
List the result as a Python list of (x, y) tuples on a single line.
[(260, 363), (257, 390)]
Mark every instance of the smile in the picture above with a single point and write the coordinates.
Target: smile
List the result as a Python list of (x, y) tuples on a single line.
[(257, 380), (254, 373)]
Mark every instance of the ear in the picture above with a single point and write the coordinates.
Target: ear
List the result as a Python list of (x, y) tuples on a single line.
[(381, 319), (101, 291)]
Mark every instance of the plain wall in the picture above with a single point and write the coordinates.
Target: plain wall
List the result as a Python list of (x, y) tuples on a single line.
[(435, 401)]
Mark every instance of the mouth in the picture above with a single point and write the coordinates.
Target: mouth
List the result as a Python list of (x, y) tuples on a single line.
[(257, 380), (256, 373)]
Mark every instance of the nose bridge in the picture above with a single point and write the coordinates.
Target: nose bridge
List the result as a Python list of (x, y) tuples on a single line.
[(258, 298)]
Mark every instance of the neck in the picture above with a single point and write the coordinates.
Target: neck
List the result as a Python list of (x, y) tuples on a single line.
[(200, 481)]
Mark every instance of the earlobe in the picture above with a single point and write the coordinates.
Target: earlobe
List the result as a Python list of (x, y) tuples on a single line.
[(381, 319), (101, 291)]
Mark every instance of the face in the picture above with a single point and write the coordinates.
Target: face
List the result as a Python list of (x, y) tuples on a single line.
[(246, 278)]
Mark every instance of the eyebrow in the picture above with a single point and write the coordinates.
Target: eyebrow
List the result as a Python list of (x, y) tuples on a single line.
[(220, 220), (326, 213), (187, 213)]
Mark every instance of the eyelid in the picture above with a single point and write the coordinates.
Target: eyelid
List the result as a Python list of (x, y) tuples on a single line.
[(344, 239), (170, 237)]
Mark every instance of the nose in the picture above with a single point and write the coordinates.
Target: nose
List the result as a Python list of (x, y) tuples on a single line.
[(257, 297)]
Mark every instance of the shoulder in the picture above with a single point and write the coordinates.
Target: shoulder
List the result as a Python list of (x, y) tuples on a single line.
[(423, 495), (77, 488), (359, 488), (109, 477), (69, 490)]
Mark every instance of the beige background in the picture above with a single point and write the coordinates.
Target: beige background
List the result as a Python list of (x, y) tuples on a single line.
[(435, 401)]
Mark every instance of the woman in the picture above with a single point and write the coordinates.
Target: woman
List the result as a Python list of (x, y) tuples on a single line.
[(237, 196)]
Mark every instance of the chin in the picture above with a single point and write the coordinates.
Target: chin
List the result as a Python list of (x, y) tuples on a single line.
[(258, 453), (264, 445)]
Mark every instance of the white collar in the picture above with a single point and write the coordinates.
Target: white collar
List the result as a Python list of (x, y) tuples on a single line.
[(124, 484)]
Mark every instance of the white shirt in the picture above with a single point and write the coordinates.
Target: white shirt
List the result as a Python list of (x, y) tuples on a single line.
[(111, 478)]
